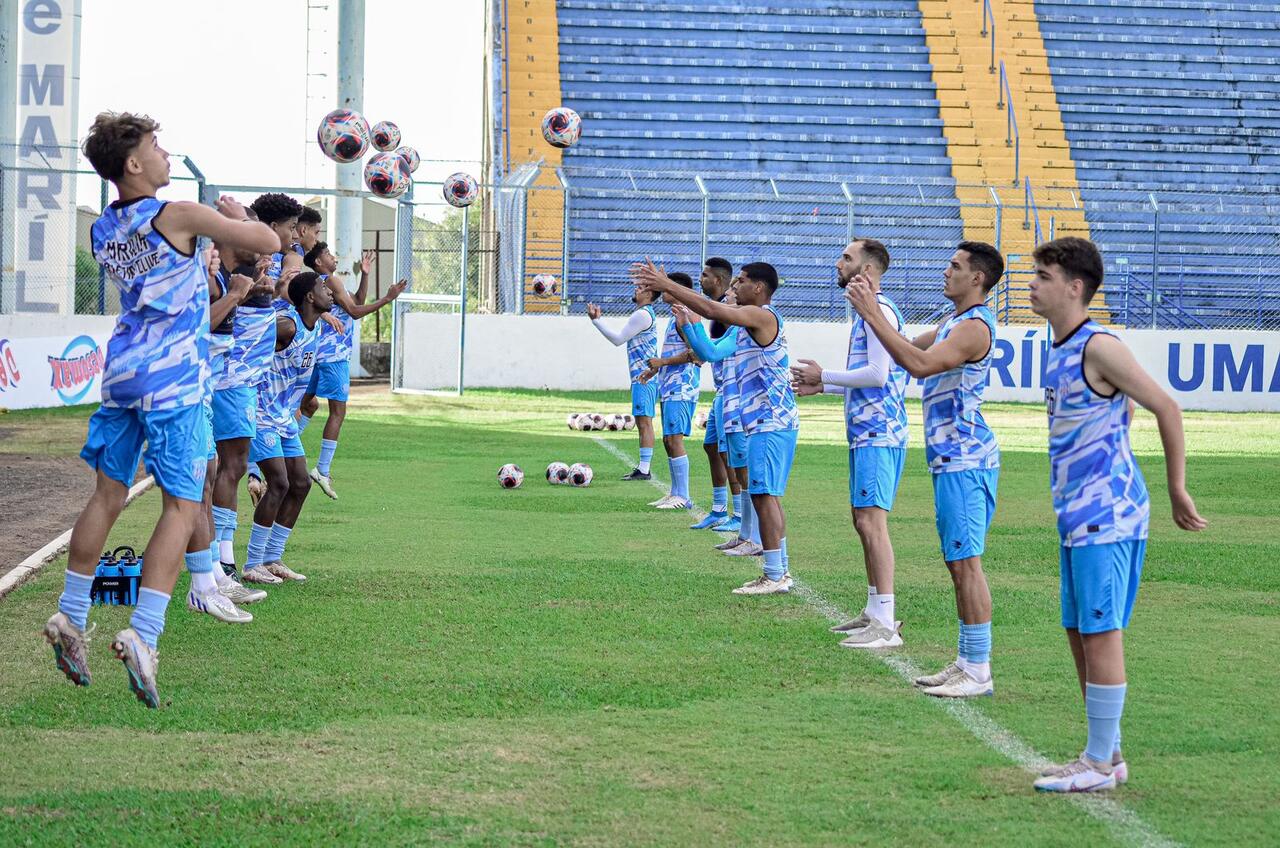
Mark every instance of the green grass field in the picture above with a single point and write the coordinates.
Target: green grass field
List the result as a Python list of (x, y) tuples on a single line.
[(550, 666)]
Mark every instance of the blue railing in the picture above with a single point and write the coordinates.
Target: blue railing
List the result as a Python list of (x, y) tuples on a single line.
[(989, 20), (1011, 136)]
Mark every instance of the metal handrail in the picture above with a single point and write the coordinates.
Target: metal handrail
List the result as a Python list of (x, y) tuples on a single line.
[(989, 17), (1011, 135), (1030, 211)]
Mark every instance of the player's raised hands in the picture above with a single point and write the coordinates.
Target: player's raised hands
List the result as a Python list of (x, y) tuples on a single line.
[(593, 311), (1184, 511), (649, 277), (807, 373), (682, 315), (239, 286), (260, 267), (367, 260), (861, 296), (231, 208), (397, 289)]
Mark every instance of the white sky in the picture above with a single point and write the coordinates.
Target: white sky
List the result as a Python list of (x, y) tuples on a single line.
[(226, 79)]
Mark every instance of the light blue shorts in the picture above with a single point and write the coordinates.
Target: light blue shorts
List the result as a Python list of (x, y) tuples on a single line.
[(331, 380), (736, 443), (1099, 583), (769, 458), (677, 417), (965, 502), (268, 444), (175, 447), (874, 475), (235, 413), (715, 432), (210, 446), (644, 399)]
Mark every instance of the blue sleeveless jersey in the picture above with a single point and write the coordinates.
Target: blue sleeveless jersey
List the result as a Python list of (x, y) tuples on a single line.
[(158, 354), (334, 346), (286, 380), (677, 382), (956, 436), (730, 396), (766, 401), (875, 417), (643, 346), (1098, 491), (221, 337)]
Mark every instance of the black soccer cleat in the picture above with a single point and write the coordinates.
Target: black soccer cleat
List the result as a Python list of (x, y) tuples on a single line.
[(637, 474)]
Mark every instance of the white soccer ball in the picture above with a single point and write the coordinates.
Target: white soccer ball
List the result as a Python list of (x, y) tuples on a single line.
[(614, 422), (385, 136), (546, 285), (343, 135), (386, 175), (557, 473), (629, 422), (580, 475), (561, 127), (572, 420), (598, 421), (410, 157), (510, 476), (701, 420), (460, 189)]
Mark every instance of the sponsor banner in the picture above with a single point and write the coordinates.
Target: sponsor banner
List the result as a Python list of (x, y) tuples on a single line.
[(51, 371)]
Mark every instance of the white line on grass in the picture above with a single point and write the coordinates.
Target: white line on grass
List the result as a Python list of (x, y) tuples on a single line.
[(1125, 825)]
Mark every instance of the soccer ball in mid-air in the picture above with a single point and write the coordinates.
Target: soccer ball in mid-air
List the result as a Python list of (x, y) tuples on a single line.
[(580, 475), (510, 476), (343, 135), (410, 157), (557, 473), (546, 285), (385, 135), (460, 189), (701, 420), (561, 127), (386, 175)]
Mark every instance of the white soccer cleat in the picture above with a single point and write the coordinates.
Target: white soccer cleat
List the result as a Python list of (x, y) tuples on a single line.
[(962, 685), (732, 543), (284, 572), (762, 585), (939, 678), (238, 593), (1084, 775), (217, 605), (1118, 767), (69, 645), (675, 503), (660, 501), (140, 663), (260, 574), (747, 548), (325, 484), (875, 635), (855, 624)]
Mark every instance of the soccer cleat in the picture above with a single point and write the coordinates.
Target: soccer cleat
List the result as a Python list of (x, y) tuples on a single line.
[(675, 503), (1118, 767), (256, 488), (68, 643), (637, 474), (875, 635), (733, 524), (747, 548), (323, 481), (260, 574), (217, 605), (713, 519), (1084, 775), (853, 624), (939, 678), (732, 543), (660, 501), (238, 593), (140, 662), (284, 572), (762, 585), (962, 685)]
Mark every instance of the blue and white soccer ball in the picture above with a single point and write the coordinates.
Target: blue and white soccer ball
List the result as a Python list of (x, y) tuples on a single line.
[(580, 475), (385, 135), (561, 127), (546, 285), (510, 476), (460, 189), (557, 473), (386, 175), (343, 135), (410, 157)]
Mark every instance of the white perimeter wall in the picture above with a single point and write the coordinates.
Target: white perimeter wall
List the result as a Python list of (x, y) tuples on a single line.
[(1204, 369)]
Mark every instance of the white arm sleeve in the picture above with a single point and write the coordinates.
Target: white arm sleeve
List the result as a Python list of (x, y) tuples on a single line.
[(636, 324), (872, 375), (829, 389)]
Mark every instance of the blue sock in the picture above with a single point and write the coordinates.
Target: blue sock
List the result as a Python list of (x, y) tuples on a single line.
[(224, 523), (274, 550), (748, 519), (1103, 706), (719, 498), (303, 421), (148, 618), (737, 504), (786, 560), (253, 470), (977, 644), (198, 562), (646, 459), (328, 447), (214, 551), (755, 522), (680, 476), (74, 601), (773, 568), (257, 542)]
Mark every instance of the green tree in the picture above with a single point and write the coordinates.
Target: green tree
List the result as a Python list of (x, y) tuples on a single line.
[(87, 283)]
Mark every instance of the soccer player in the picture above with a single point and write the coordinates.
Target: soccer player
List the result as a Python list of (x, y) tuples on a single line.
[(640, 335), (1091, 382), (717, 275), (874, 390), (308, 230), (151, 386), (276, 447), (331, 377), (679, 377), (954, 361), (767, 404)]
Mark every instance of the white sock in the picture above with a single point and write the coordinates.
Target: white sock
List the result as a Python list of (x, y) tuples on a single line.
[(871, 600), (882, 610), (203, 582), (980, 672), (227, 551), (220, 576)]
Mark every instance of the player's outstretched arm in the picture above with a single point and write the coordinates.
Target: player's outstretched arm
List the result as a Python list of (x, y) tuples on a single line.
[(648, 277), (637, 322), (367, 260), (1108, 364), (357, 308), (968, 342), (182, 222), (706, 349)]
